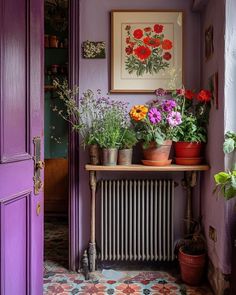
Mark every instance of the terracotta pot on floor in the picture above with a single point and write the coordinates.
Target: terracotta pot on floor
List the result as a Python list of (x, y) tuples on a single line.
[(192, 267)]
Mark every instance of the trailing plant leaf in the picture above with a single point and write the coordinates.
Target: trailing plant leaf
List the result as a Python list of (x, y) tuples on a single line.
[(228, 146), (222, 177)]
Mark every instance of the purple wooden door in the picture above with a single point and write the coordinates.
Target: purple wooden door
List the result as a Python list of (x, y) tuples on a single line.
[(21, 119)]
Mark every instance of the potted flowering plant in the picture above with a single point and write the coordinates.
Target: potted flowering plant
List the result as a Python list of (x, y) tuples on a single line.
[(109, 129), (155, 124), (192, 254), (191, 135), (99, 120), (82, 115), (127, 141)]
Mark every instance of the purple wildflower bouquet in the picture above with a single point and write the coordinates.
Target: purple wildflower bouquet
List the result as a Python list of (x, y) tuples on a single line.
[(157, 120)]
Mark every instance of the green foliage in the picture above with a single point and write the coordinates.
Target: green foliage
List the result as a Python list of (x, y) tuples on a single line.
[(152, 66), (226, 184), (108, 131), (68, 96), (194, 243), (190, 130), (230, 142), (226, 181), (128, 138), (147, 132)]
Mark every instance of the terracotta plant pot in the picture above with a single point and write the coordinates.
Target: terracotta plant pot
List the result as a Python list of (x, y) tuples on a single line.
[(125, 157), (109, 157), (94, 154), (157, 153), (192, 267), (188, 149)]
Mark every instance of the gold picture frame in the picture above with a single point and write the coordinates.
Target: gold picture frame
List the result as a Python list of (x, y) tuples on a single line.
[(146, 51)]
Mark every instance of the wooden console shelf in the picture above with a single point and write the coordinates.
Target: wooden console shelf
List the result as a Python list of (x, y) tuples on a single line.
[(140, 168), (188, 183)]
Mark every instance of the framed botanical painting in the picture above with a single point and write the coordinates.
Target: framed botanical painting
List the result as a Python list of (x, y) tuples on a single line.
[(147, 51)]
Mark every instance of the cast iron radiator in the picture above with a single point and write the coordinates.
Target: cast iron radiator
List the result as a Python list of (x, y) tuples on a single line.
[(137, 220)]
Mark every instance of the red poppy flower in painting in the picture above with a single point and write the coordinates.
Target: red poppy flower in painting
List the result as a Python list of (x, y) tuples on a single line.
[(127, 40), (147, 50), (189, 94), (142, 52), (138, 34), (167, 44), (204, 96), (129, 50), (147, 29), (167, 56), (158, 28), (154, 42)]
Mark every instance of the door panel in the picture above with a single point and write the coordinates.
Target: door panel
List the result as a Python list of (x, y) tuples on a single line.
[(21, 119), (14, 62), (14, 234)]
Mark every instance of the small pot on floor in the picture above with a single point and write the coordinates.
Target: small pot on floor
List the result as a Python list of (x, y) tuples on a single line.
[(125, 157), (192, 267)]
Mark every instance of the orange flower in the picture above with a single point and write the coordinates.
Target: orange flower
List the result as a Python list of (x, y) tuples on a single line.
[(167, 44), (138, 112)]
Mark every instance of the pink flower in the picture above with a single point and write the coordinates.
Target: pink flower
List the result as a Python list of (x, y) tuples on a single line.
[(154, 116), (174, 119), (160, 92)]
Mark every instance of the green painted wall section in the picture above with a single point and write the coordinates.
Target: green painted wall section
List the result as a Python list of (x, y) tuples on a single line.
[(55, 128)]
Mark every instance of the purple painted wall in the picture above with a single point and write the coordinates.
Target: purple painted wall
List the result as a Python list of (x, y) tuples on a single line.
[(217, 212), (94, 74)]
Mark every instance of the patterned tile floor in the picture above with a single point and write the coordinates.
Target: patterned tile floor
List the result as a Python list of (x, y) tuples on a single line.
[(58, 280)]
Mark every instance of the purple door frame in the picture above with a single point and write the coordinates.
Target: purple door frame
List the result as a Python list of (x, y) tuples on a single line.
[(74, 140)]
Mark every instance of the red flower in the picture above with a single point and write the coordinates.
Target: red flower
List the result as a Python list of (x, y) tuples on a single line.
[(158, 28), (142, 52), (138, 34), (148, 29), (129, 50), (127, 40), (189, 94), (167, 56), (167, 44), (204, 96), (180, 91), (154, 42)]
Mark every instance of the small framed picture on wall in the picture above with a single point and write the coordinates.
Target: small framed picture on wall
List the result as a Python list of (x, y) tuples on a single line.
[(146, 51)]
